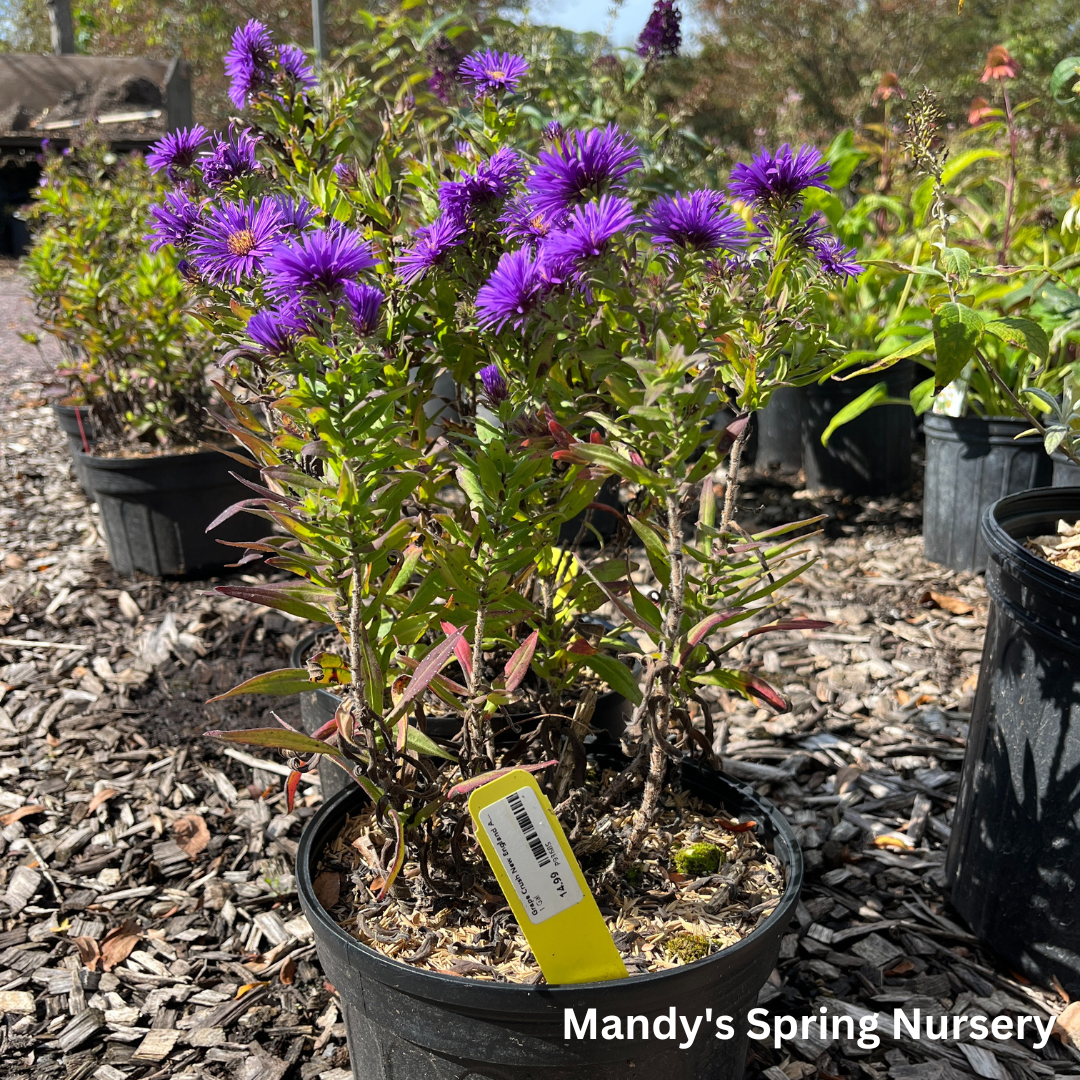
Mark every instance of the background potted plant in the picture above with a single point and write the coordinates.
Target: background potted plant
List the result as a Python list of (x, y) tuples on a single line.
[(137, 362), (587, 339)]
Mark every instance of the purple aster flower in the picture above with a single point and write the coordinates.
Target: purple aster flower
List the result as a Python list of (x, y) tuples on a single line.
[(364, 302), (347, 174), (186, 269), (491, 73), (296, 214), (293, 62), (320, 262), (525, 224), (494, 384), (274, 329), (491, 182), (804, 234), (513, 292), (662, 34), (173, 222), (247, 63), (433, 244), (590, 230), (235, 240), (834, 259), (582, 166), (778, 179), (177, 151), (697, 220), (230, 158), (553, 132)]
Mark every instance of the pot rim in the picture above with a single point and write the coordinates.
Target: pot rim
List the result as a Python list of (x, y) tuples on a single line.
[(781, 915), (1010, 550), (145, 461)]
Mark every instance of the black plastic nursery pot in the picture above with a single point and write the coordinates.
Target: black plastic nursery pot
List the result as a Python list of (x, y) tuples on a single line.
[(1014, 854), (1066, 473), (871, 455), (406, 1023), (75, 422), (970, 464), (317, 708), (155, 511), (777, 440)]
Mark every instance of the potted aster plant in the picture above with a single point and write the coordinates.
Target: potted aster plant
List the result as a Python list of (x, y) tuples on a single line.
[(589, 338), (137, 362)]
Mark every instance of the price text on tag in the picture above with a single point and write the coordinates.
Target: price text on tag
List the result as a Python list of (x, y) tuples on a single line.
[(542, 881)]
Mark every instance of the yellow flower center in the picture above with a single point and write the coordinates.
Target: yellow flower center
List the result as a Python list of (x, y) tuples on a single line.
[(496, 74), (538, 223), (241, 243)]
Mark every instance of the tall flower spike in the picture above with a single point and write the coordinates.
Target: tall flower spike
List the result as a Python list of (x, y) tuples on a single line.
[(321, 261), (177, 151), (247, 63), (492, 73), (433, 243), (779, 179), (697, 220), (233, 242), (582, 166), (662, 35), (513, 292)]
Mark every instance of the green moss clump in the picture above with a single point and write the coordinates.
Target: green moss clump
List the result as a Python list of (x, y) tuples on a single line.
[(635, 875), (688, 948), (699, 860)]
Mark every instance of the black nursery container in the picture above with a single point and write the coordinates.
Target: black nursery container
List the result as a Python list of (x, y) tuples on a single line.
[(317, 708), (1014, 855), (1066, 473), (75, 422), (405, 1023), (778, 431), (155, 511), (868, 456), (970, 464)]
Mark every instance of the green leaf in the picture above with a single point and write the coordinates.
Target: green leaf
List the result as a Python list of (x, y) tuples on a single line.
[(654, 549), (419, 743), (616, 674), (876, 395), (957, 330), (1065, 81), (277, 738), (1022, 333), (302, 599), (964, 161), (922, 396), (957, 262), (280, 682), (611, 459)]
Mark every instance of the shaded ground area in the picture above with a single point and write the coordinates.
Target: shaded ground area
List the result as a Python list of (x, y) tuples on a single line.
[(149, 926)]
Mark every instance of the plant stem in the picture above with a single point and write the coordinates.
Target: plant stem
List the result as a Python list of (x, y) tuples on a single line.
[(1010, 180), (734, 460)]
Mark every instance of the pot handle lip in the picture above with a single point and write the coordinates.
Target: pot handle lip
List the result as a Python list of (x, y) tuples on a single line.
[(313, 837)]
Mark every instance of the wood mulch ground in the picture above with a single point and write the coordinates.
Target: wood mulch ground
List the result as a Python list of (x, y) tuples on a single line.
[(149, 925)]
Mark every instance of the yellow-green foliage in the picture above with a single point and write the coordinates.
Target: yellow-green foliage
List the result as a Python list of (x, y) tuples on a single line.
[(699, 860)]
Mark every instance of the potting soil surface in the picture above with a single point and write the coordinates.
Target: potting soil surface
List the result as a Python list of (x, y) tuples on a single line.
[(149, 926), (658, 915), (1061, 548)]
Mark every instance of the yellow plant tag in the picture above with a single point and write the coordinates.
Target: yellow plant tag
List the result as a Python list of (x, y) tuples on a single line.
[(542, 881)]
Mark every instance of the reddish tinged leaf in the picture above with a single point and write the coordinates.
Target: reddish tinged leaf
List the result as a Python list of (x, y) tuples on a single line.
[(735, 826), (702, 630), (269, 493), (608, 509), (279, 739), (625, 609), (738, 425), (583, 647), (290, 788), (596, 438), (760, 689), (461, 649), (426, 670), (518, 664), (485, 778), (790, 624), (560, 434), (328, 729), (636, 458), (568, 455), (282, 682), (303, 599), (236, 508), (451, 686)]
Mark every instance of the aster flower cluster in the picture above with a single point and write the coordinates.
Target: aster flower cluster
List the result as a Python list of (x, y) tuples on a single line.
[(492, 74), (255, 65)]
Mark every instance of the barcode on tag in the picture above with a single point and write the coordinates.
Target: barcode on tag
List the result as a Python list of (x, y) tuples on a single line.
[(530, 854)]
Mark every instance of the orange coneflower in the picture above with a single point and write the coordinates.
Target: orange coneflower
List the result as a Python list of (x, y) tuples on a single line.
[(999, 65), (888, 87), (979, 111)]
